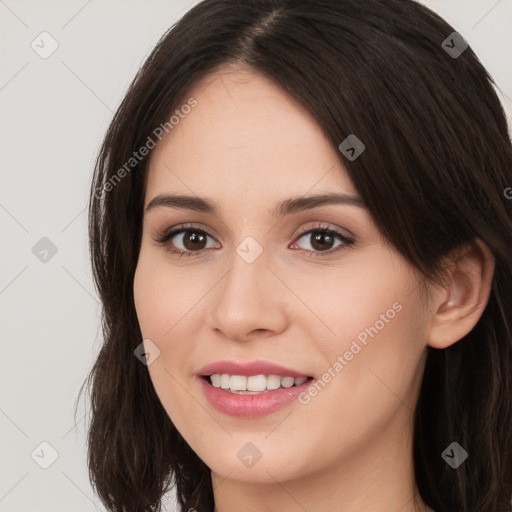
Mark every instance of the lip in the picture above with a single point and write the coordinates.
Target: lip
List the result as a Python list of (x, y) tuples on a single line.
[(248, 368), (251, 406), (240, 405)]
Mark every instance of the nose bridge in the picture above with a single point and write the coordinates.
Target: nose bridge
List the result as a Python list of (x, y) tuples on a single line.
[(244, 300), (246, 277), (247, 261)]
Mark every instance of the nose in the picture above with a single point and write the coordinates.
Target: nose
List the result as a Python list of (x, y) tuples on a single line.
[(249, 301)]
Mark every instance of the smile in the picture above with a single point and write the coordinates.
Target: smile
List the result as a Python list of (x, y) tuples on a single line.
[(253, 384), (251, 404)]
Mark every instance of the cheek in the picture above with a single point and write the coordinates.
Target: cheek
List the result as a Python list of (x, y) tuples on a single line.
[(161, 301), (365, 297), (167, 303), (373, 341), (163, 295)]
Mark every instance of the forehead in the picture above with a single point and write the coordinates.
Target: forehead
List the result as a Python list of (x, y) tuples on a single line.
[(246, 135)]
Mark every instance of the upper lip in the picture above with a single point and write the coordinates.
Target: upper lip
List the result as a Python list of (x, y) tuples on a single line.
[(248, 368)]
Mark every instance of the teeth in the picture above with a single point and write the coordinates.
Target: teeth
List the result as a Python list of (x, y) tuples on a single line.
[(273, 382), (216, 380), (224, 381), (255, 383), (287, 382), (238, 383)]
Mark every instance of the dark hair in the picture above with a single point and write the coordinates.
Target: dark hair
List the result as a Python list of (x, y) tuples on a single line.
[(437, 160)]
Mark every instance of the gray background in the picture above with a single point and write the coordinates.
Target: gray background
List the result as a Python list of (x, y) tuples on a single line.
[(54, 113)]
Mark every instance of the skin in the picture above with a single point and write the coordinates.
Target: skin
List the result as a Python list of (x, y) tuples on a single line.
[(246, 146)]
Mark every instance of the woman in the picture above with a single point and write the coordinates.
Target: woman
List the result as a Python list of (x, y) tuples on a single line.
[(302, 239)]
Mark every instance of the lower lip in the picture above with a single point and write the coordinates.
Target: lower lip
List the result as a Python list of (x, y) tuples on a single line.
[(236, 404)]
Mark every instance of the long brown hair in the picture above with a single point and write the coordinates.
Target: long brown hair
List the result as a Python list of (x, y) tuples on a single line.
[(436, 165)]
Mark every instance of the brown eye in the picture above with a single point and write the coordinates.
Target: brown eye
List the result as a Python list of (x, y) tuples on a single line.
[(322, 240), (193, 240), (184, 241)]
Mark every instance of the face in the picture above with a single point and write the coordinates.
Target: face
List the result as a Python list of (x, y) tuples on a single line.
[(314, 290)]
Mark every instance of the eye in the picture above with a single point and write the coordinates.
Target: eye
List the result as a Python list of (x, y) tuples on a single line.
[(323, 240), (189, 240)]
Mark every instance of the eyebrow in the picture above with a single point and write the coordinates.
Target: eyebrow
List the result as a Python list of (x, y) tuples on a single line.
[(287, 207)]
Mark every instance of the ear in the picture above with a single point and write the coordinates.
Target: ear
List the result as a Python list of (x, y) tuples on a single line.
[(459, 305)]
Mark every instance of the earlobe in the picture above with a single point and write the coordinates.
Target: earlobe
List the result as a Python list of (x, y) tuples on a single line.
[(460, 304)]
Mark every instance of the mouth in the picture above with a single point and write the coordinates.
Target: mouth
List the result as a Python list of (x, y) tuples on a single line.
[(251, 388), (252, 396), (253, 384)]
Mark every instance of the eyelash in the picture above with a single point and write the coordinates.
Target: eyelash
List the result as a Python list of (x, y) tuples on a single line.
[(163, 238)]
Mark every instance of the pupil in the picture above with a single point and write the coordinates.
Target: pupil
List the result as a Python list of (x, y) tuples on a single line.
[(194, 238), (319, 238)]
